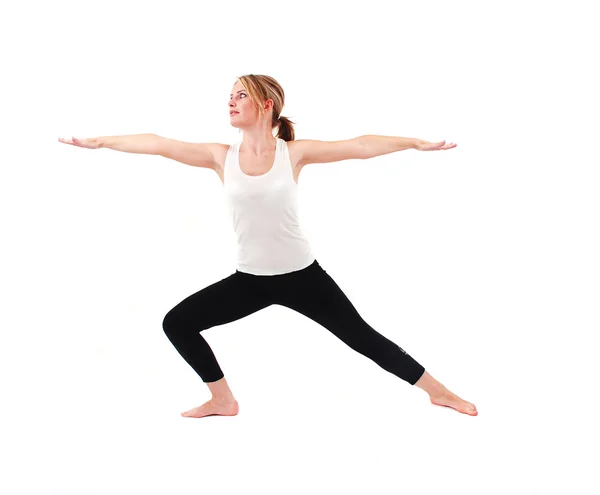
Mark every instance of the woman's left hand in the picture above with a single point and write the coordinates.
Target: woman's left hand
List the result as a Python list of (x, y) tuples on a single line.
[(427, 146)]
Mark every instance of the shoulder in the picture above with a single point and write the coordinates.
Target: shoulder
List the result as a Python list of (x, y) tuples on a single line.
[(295, 151), (219, 151)]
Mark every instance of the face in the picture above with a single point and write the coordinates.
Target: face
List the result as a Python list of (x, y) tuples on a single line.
[(240, 101)]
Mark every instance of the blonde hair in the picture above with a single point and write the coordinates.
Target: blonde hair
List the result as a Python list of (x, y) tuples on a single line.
[(261, 88)]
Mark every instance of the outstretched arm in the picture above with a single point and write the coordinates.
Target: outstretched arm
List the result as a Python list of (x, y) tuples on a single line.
[(360, 148), (195, 154), (382, 145), (131, 143)]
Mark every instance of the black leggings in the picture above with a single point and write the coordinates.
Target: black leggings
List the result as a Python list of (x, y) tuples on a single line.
[(310, 291)]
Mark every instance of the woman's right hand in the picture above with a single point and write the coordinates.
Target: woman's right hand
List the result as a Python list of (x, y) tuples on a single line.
[(90, 143)]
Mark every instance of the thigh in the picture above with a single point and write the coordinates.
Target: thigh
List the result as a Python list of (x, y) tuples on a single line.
[(225, 301), (317, 296)]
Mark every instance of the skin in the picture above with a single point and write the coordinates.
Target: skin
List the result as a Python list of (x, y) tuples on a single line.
[(258, 138), (258, 142)]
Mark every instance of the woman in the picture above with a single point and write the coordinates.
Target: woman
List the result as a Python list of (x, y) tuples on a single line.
[(274, 263)]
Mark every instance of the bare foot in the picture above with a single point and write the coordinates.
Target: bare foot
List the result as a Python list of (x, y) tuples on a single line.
[(212, 408), (448, 399)]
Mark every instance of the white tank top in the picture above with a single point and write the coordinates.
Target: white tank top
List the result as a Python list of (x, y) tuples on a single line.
[(264, 210)]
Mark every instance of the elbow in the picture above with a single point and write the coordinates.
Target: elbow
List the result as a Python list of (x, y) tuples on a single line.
[(363, 151)]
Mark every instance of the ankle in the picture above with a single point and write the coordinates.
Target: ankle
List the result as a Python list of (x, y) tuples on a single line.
[(430, 385), (438, 391), (223, 399), (220, 391)]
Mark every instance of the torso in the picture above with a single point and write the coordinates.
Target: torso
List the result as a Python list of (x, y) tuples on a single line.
[(252, 165)]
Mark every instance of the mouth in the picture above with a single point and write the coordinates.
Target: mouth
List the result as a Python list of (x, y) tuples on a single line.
[(231, 114)]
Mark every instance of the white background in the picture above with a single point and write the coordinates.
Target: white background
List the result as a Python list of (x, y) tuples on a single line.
[(480, 261)]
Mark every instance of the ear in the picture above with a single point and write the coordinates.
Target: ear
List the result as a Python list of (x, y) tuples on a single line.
[(267, 105)]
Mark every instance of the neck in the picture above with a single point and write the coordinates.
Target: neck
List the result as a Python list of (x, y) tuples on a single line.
[(258, 144)]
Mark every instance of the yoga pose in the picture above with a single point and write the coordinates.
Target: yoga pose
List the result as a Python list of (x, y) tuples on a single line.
[(275, 264)]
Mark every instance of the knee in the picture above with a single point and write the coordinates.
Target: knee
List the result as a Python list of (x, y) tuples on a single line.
[(177, 322), (170, 323)]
